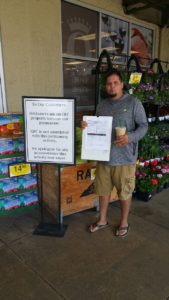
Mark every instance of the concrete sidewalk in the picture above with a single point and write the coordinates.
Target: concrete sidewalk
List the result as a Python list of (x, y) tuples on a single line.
[(84, 266)]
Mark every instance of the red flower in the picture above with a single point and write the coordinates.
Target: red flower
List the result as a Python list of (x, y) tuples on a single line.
[(154, 163), (154, 181), (146, 163), (153, 169)]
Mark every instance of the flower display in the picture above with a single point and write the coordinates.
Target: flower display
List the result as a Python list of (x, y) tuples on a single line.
[(153, 88), (152, 175), (154, 181), (155, 143)]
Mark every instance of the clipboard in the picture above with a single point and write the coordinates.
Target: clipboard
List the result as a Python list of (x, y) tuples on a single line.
[(96, 138)]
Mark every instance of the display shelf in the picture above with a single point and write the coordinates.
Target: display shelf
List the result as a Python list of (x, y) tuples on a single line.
[(156, 113), (11, 147), (17, 154), (8, 203), (18, 210), (152, 174), (5, 176), (20, 197), (4, 165), (20, 192)]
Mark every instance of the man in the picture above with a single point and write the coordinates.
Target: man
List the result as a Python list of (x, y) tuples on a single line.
[(119, 171)]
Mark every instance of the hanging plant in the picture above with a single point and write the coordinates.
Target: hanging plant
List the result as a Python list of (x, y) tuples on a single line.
[(102, 84)]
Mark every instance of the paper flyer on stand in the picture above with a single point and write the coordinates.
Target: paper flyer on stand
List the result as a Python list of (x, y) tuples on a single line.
[(96, 138)]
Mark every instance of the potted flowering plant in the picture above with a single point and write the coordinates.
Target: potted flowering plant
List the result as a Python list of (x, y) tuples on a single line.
[(146, 188), (145, 92), (165, 171), (151, 177), (139, 93), (146, 181), (149, 146)]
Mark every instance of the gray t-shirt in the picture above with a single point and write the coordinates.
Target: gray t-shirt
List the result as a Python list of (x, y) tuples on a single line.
[(130, 112)]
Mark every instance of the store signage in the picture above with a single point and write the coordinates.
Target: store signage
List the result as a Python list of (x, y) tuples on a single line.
[(19, 169), (86, 174), (135, 78), (49, 130)]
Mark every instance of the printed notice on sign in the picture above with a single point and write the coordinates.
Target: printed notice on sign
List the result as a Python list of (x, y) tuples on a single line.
[(96, 138), (49, 130)]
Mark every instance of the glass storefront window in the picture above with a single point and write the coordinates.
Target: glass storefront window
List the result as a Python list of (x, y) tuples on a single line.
[(141, 43), (83, 42), (79, 31), (114, 37), (79, 82)]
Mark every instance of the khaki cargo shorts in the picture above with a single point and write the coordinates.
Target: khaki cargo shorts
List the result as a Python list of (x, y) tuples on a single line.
[(120, 177)]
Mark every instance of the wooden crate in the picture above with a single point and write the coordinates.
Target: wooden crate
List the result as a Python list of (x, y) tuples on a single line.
[(77, 188)]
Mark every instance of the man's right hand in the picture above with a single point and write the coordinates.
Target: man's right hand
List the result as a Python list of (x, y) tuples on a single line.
[(83, 124)]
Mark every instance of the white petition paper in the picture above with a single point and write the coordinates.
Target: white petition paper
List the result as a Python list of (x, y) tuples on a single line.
[(96, 139), (96, 135)]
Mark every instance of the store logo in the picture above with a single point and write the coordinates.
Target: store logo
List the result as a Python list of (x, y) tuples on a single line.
[(78, 24), (79, 30)]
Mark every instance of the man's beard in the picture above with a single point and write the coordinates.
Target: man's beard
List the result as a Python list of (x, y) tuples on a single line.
[(112, 95)]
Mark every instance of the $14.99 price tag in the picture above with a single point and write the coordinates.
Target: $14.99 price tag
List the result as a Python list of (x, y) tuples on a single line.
[(19, 169)]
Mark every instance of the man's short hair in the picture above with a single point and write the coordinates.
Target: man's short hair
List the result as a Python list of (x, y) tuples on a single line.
[(114, 72)]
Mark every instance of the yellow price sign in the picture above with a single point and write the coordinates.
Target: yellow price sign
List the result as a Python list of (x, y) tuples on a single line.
[(19, 169), (135, 78)]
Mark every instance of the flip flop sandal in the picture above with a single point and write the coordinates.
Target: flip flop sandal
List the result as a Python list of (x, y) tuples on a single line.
[(115, 227), (95, 227), (126, 228)]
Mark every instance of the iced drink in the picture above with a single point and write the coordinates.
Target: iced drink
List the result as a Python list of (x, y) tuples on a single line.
[(120, 131)]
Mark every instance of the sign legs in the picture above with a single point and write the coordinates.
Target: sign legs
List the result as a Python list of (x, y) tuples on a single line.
[(51, 229)]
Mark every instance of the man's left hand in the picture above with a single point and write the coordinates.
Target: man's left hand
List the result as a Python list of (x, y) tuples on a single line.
[(122, 140)]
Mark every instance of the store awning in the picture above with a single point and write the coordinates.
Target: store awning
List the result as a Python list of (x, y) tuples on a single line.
[(154, 11)]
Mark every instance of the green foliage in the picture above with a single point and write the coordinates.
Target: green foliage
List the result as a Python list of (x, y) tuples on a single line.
[(152, 146), (79, 146), (152, 174), (149, 147), (145, 185)]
